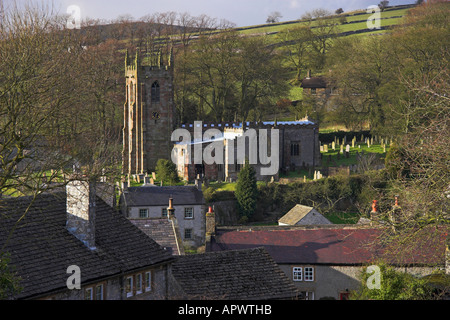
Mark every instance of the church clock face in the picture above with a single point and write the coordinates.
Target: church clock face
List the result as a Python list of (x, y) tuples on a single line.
[(155, 115)]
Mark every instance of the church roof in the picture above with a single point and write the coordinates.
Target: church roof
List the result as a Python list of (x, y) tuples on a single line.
[(296, 122)]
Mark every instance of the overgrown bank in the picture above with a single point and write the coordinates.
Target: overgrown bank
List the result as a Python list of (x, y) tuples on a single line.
[(337, 196)]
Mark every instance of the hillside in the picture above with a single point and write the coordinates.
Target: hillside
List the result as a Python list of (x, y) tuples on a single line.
[(352, 23), (355, 23)]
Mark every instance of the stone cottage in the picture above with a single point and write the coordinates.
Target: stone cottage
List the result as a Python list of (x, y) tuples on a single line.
[(150, 202), (71, 245), (326, 261)]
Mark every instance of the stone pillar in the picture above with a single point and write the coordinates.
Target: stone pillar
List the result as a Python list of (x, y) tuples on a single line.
[(80, 208)]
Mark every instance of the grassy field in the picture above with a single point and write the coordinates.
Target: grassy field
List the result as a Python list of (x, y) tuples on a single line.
[(389, 17)]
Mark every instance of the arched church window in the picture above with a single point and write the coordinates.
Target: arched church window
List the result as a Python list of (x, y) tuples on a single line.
[(155, 92)]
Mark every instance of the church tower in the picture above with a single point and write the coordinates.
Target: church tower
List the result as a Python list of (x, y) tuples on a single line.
[(149, 112)]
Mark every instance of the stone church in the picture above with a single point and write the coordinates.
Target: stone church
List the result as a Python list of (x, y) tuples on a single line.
[(150, 119)]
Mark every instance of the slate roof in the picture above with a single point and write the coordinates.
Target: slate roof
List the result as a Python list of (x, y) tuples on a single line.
[(160, 230), (159, 196), (297, 213), (329, 245), (314, 82), (42, 249), (249, 274)]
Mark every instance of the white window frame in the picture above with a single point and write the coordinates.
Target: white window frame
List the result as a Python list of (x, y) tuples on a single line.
[(90, 295), (309, 295), (101, 290), (191, 214), (129, 280), (164, 212), (148, 281), (297, 273), (139, 283), (309, 274), (144, 210)]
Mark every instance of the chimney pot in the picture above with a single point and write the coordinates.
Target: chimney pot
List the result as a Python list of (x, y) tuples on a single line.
[(396, 201), (210, 222), (374, 206), (170, 209)]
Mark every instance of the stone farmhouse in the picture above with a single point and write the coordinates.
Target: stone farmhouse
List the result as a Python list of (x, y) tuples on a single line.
[(76, 228), (317, 86), (325, 262), (148, 202)]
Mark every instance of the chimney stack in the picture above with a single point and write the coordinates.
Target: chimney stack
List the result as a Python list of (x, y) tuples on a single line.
[(210, 228), (80, 208), (198, 184), (170, 209), (210, 222)]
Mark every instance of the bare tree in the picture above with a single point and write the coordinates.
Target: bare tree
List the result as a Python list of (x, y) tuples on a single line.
[(274, 17), (383, 4), (37, 59)]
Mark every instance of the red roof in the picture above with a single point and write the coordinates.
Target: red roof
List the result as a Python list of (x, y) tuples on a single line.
[(341, 246)]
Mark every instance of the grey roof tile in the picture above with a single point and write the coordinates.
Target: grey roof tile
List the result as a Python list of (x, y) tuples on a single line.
[(159, 196), (41, 248), (234, 275)]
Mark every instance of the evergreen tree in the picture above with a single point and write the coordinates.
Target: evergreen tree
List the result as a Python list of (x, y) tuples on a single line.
[(246, 191), (166, 171)]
